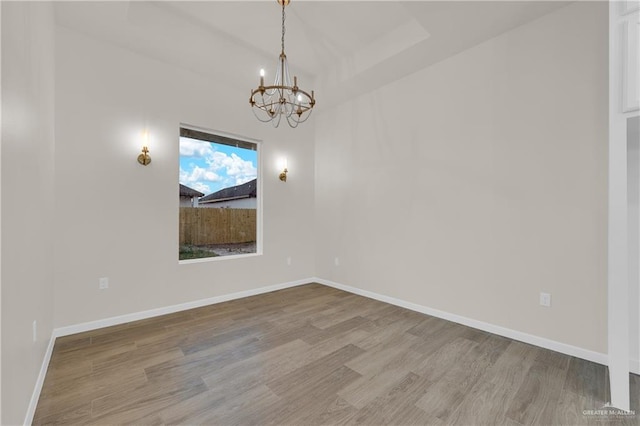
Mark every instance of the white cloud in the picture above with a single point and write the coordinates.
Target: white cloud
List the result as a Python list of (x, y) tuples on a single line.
[(199, 186), (238, 170), (193, 148), (219, 168), (197, 179)]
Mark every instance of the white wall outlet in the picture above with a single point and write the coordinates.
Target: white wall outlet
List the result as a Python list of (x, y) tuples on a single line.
[(103, 283), (289, 260), (545, 299), (34, 330), (336, 261)]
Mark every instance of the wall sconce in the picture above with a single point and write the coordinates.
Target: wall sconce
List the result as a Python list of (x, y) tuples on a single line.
[(145, 158), (283, 173)]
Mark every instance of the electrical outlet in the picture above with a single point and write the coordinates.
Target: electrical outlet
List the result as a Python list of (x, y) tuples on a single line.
[(35, 330), (336, 261), (545, 299), (103, 283), (289, 260)]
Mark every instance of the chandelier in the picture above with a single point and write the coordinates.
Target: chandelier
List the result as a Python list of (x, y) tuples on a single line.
[(271, 103)]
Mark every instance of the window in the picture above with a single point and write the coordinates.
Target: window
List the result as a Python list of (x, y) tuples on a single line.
[(219, 196)]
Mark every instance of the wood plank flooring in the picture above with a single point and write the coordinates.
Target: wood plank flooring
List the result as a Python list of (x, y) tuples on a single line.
[(314, 355)]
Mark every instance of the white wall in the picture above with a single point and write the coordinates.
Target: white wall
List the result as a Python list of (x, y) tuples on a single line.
[(187, 201), (476, 183), (117, 219), (27, 173)]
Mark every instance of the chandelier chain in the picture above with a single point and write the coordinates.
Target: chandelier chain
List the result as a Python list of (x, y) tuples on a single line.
[(283, 16)]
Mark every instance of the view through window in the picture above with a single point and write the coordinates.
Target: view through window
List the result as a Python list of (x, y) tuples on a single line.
[(218, 195)]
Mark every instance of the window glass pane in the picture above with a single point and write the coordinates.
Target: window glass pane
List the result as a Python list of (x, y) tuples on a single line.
[(218, 195)]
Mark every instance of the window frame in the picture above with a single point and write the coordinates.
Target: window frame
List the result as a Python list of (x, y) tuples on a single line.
[(226, 138)]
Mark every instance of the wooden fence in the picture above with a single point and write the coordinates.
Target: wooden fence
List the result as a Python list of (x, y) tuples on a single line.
[(200, 226)]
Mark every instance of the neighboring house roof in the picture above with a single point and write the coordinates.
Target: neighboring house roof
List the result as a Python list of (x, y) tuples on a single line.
[(185, 191), (246, 190)]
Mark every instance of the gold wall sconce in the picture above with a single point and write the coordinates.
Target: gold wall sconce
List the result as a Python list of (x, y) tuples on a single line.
[(145, 158), (283, 174)]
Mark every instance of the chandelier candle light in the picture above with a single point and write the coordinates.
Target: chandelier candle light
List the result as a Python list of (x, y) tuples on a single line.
[(282, 98)]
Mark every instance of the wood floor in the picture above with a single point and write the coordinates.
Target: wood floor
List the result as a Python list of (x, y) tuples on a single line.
[(314, 355)]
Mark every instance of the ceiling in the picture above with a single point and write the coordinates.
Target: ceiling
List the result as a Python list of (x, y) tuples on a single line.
[(339, 48)]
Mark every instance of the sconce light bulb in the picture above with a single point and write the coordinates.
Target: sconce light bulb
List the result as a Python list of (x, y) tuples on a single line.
[(261, 72), (283, 174)]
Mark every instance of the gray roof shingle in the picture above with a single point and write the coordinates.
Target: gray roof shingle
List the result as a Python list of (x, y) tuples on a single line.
[(185, 191), (246, 190)]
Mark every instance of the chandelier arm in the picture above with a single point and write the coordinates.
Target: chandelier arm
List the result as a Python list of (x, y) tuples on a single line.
[(263, 104), (266, 108), (284, 91), (286, 88), (309, 97), (267, 98), (267, 120), (265, 117), (303, 117), (293, 121), (279, 87)]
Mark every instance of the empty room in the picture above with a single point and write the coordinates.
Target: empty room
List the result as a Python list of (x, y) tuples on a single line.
[(320, 212)]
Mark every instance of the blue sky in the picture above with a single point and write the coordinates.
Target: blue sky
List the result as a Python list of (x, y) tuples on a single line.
[(209, 167)]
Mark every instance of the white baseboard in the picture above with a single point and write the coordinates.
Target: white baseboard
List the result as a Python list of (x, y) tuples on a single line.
[(35, 396), (108, 322), (564, 348)]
